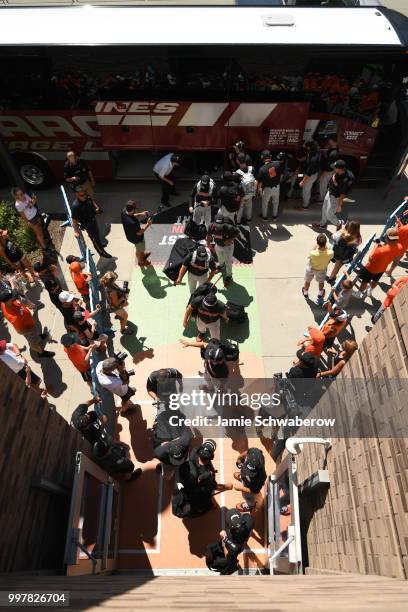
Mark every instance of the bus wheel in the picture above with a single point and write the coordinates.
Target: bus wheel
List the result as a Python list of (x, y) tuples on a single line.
[(34, 171)]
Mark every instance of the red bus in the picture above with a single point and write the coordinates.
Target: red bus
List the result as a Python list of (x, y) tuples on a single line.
[(109, 82)]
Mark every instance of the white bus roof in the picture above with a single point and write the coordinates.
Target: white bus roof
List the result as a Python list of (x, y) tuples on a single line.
[(227, 25)]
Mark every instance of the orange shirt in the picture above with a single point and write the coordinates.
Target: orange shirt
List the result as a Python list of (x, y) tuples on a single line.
[(18, 315), (79, 278), (317, 343), (332, 328), (394, 291), (403, 235), (76, 354), (382, 256)]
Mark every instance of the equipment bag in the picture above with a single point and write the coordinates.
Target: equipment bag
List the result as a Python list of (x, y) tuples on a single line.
[(230, 350), (180, 250), (236, 313), (194, 231), (216, 560)]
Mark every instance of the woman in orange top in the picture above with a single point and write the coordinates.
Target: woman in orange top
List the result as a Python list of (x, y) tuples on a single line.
[(80, 278), (78, 355), (19, 316), (333, 326), (312, 343), (403, 239), (380, 258)]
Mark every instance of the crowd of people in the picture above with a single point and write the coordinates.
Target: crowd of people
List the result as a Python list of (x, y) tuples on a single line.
[(217, 213), (71, 88)]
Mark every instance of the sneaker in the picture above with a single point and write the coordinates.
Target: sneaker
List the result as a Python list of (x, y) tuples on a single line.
[(305, 293), (320, 300), (46, 354), (274, 217)]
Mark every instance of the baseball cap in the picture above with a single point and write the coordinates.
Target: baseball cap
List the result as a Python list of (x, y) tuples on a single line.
[(5, 295), (236, 520), (392, 233), (201, 251), (205, 181), (176, 450), (210, 300), (69, 339), (71, 258), (110, 364), (3, 346), (340, 163), (266, 154), (340, 315), (100, 448), (253, 459), (66, 297)]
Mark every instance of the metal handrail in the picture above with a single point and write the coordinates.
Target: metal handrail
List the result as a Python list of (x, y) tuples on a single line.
[(94, 294)]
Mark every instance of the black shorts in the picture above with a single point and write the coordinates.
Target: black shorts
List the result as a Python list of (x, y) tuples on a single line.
[(35, 220), (368, 277), (328, 343), (86, 376), (34, 378), (129, 393)]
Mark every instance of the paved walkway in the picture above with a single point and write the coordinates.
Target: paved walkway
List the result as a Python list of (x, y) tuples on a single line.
[(270, 288)]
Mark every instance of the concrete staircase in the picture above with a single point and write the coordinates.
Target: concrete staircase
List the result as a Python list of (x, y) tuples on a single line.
[(334, 593)]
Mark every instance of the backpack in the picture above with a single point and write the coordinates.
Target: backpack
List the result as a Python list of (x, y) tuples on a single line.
[(216, 560), (195, 231), (236, 313), (230, 350), (202, 291), (248, 182), (162, 430), (207, 260)]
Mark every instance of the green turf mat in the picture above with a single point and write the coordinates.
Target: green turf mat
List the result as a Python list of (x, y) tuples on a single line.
[(156, 310)]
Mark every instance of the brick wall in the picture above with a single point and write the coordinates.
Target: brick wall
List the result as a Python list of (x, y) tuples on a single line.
[(361, 524), (35, 441)]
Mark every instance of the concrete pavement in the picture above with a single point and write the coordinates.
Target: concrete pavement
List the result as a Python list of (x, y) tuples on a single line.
[(280, 252)]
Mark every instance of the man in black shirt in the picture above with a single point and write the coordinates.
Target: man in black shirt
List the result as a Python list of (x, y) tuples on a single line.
[(171, 443), (340, 185), (83, 211), (134, 230), (223, 233), (251, 477), (163, 383), (208, 311), (112, 457), (88, 423), (311, 172), (200, 265), (268, 186), (230, 195), (238, 528), (216, 369), (330, 156), (77, 174)]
